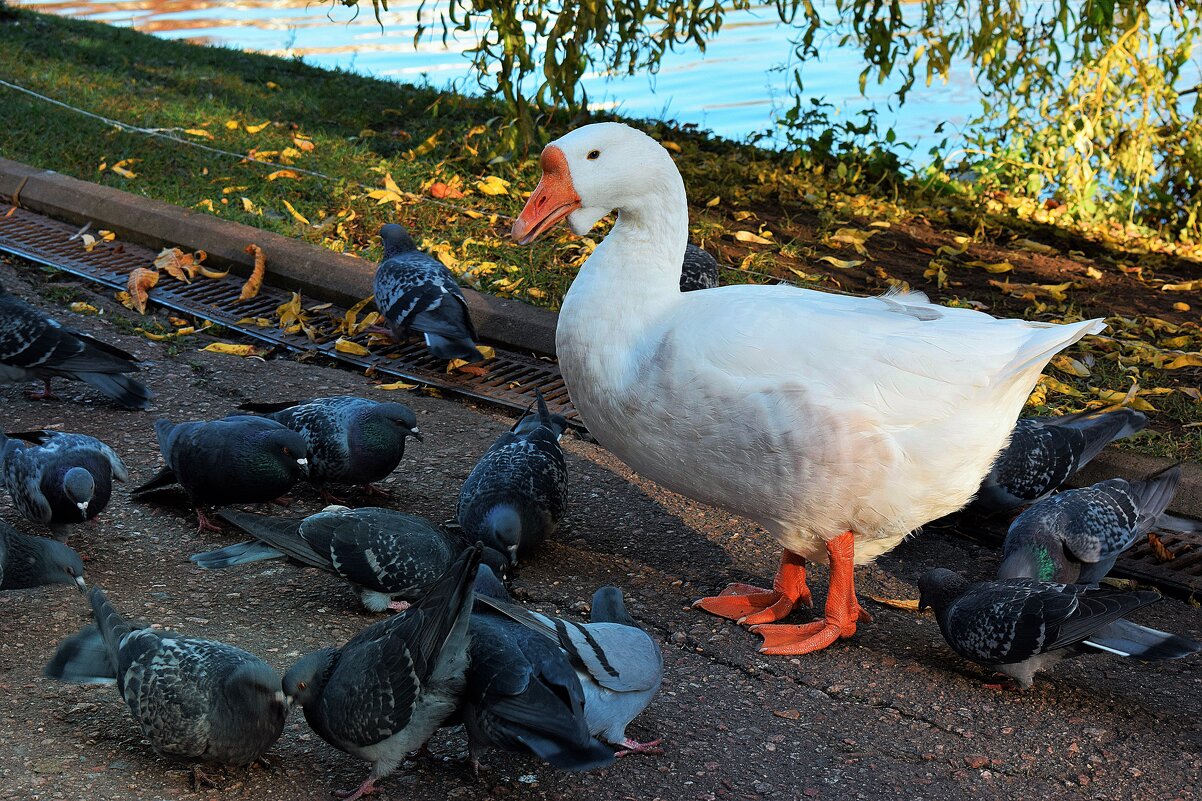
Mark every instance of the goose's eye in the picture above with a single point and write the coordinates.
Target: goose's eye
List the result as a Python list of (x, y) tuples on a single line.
[(593, 155)]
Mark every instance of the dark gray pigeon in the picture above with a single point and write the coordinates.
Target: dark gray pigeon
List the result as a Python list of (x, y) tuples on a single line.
[(351, 440), (517, 493), (197, 699), (1075, 536), (1044, 451), (393, 684), (522, 694), (55, 478), (415, 292), (238, 459), (34, 346), (699, 269), (383, 554), (27, 561), (619, 665), (1021, 626)]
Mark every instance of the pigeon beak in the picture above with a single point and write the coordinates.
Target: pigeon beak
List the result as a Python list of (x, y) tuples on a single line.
[(303, 463), (79, 582), (417, 435), (83, 509), (283, 698), (513, 554)]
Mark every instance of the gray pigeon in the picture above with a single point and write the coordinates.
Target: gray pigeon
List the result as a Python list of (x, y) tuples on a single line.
[(699, 269), (619, 666), (34, 346), (1021, 626), (27, 561), (415, 292), (57, 478), (197, 699), (1044, 451), (393, 684), (517, 493), (351, 440), (238, 459), (522, 694), (1075, 536), (383, 554)]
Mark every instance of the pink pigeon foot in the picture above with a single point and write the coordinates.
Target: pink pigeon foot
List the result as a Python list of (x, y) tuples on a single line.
[(204, 523), (630, 746), (367, 788), (399, 606), (41, 394)]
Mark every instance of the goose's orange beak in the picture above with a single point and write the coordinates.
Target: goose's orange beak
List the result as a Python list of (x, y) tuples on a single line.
[(553, 199)]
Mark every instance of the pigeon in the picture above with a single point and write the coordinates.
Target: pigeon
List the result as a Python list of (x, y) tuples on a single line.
[(56, 478), (238, 459), (619, 665), (393, 684), (27, 561), (522, 694), (1075, 536), (351, 440), (1044, 451), (36, 347), (516, 494), (383, 554), (192, 698), (699, 270), (414, 291), (1020, 626)]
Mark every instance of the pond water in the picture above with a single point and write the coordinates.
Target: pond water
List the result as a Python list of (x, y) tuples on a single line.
[(734, 88)]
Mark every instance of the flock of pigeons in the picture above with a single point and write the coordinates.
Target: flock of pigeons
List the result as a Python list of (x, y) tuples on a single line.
[(458, 650)]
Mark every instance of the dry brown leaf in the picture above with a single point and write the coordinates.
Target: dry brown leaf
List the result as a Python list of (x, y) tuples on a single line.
[(179, 265), (141, 281), (1159, 550), (253, 284), (908, 604)]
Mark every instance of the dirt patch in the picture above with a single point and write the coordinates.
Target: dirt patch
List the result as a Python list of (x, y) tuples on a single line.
[(891, 714)]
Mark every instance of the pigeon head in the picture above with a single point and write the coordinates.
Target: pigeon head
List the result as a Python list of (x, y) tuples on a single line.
[(610, 607), (57, 563), (79, 487), (255, 686), (487, 581), (501, 530), (938, 588), (402, 417), (293, 447), (1036, 561), (396, 240), (304, 682)]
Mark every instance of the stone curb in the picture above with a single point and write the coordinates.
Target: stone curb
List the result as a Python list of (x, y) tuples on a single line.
[(339, 278), (291, 263)]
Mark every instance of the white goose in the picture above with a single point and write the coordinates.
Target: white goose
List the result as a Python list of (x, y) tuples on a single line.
[(840, 424)]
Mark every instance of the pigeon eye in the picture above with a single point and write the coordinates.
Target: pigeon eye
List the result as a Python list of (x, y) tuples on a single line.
[(300, 685), (593, 155), (286, 451)]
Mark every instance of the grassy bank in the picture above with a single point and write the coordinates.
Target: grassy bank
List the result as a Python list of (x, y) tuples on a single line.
[(402, 153)]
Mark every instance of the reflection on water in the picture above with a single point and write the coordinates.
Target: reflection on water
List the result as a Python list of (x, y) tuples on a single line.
[(734, 88)]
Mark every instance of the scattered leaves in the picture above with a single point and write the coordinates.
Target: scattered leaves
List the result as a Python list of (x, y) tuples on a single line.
[(179, 265), (492, 185), (854, 237), (391, 193)]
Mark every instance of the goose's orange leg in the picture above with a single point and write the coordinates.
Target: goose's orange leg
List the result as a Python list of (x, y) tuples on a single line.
[(749, 604), (843, 611)]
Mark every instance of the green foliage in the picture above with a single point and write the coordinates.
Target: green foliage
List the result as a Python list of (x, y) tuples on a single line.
[(1088, 101)]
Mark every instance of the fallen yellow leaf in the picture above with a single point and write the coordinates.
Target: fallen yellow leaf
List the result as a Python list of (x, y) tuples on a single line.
[(842, 264), (354, 348), (254, 129), (231, 349), (278, 174), (1186, 360), (908, 604), (296, 215), (122, 168), (80, 307), (1067, 364), (714, 201), (747, 236), (854, 237), (395, 385), (1056, 385), (1181, 307), (391, 193), (179, 265), (253, 284), (303, 142), (201, 132), (492, 185), (992, 267), (1034, 247), (1188, 286)]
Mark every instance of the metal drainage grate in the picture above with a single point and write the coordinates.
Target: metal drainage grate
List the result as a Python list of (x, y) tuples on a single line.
[(510, 380)]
